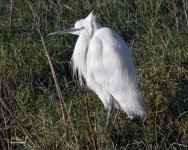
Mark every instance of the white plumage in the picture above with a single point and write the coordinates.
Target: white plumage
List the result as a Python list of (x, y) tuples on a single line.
[(103, 59)]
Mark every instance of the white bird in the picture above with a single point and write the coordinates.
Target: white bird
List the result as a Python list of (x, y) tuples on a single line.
[(103, 59)]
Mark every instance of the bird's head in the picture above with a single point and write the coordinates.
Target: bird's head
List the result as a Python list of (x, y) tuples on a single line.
[(84, 25)]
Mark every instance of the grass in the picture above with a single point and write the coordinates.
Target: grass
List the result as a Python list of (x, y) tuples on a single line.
[(156, 31)]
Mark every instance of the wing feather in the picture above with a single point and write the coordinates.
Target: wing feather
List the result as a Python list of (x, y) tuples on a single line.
[(111, 64)]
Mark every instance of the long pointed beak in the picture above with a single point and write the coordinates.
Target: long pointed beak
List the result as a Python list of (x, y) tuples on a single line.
[(72, 30)]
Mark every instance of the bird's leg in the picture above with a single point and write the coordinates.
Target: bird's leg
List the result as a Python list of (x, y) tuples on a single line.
[(110, 107)]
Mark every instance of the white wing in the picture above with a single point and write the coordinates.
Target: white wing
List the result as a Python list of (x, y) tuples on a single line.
[(111, 71)]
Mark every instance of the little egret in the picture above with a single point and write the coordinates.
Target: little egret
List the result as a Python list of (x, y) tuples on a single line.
[(103, 60)]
